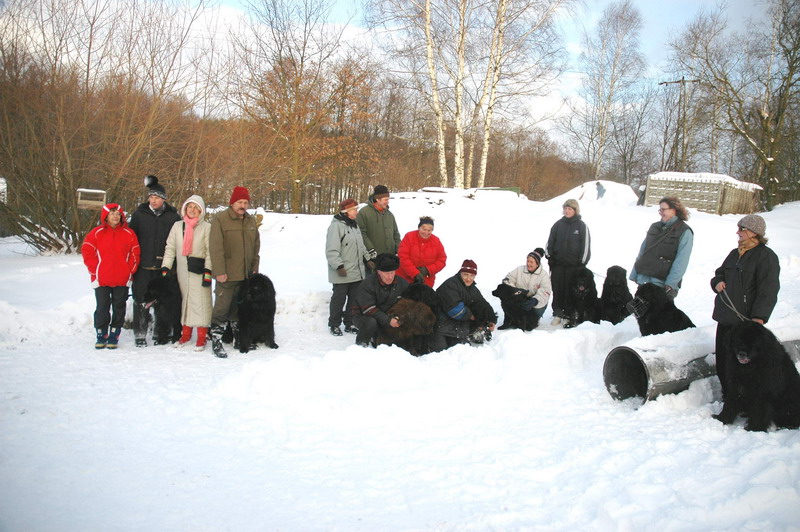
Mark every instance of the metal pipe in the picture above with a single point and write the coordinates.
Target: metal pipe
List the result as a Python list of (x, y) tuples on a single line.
[(644, 371)]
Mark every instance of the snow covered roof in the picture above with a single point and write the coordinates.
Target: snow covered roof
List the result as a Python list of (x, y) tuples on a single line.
[(705, 177)]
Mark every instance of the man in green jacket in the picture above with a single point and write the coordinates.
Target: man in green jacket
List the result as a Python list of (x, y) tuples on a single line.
[(378, 226), (234, 246)]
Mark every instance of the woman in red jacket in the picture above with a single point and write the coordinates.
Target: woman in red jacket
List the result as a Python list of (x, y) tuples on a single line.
[(421, 254), (111, 253)]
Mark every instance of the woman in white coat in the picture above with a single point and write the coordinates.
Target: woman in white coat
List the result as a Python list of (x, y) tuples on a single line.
[(187, 248)]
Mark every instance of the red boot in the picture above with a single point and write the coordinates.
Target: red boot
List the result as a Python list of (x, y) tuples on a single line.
[(202, 333), (186, 335)]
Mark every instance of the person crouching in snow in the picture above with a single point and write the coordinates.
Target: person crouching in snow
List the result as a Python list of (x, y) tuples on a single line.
[(187, 246), (111, 253)]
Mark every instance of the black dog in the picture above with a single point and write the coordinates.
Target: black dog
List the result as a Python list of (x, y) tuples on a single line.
[(164, 295), (616, 295), (762, 382), (583, 304), (516, 317), (655, 311), (256, 298)]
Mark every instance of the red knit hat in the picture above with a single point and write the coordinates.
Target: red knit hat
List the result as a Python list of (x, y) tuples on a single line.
[(469, 266), (239, 193)]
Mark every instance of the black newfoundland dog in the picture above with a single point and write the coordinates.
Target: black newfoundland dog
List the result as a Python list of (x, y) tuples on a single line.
[(164, 295), (762, 382), (416, 312), (511, 300), (256, 298), (655, 312), (583, 304), (479, 327), (616, 295)]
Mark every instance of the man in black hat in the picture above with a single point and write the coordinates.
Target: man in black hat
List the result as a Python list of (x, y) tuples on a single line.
[(375, 296), (151, 222), (378, 226)]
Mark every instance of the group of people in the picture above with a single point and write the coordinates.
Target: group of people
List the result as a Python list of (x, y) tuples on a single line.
[(370, 266), (159, 241)]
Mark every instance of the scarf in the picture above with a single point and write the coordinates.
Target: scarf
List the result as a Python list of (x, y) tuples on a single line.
[(747, 245), (188, 234)]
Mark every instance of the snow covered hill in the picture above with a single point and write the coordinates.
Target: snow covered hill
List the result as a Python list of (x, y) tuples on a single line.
[(519, 434)]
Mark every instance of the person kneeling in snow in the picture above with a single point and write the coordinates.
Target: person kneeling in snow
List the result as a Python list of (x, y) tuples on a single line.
[(465, 313), (375, 296)]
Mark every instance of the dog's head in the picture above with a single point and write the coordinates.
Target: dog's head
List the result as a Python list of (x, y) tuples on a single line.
[(422, 293), (506, 292), (159, 287), (257, 287), (584, 285), (616, 276), (648, 298), (749, 341)]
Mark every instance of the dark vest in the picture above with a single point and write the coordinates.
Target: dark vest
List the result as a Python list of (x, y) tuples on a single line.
[(660, 249)]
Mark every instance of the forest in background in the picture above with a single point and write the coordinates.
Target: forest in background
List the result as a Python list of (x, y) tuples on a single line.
[(97, 94)]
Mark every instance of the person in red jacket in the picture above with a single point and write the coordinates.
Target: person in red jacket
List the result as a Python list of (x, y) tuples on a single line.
[(111, 253), (421, 254)]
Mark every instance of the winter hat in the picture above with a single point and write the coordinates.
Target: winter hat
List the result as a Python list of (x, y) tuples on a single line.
[(537, 254), (469, 266), (347, 204), (196, 200), (107, 208), (574, 204), (379, 192), (754, 223), (425, 220), (151, 182), (387, 262), (239, 193)]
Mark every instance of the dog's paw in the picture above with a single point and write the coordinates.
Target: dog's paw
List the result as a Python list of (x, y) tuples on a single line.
[(273, 345)]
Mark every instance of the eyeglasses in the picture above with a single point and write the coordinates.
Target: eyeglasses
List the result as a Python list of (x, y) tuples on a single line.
[(665, 210)]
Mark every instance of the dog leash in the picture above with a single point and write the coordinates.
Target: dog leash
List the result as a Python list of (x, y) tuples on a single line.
[(728, 302)]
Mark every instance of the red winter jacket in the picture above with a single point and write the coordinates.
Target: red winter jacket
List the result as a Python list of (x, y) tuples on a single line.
[(111, 254), (417, 251)]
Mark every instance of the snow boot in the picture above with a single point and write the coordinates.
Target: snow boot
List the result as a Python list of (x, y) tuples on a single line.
[(202, 332), (113, 338), (235, 331), (102, 339), (186, 335), (216, 341)]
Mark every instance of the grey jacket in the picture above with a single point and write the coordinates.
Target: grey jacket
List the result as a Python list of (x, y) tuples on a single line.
[(345, 247)]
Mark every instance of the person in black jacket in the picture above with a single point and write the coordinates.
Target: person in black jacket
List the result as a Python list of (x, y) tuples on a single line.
[(375, 296), (152, 222), (746, 284), (568, 249), (461, 303)]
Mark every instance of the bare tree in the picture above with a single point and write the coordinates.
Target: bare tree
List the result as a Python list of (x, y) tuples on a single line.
[(612, 64), (753, 79)]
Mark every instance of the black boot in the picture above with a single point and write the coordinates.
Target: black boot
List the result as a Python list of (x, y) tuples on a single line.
[(235, 331), (216, 333)]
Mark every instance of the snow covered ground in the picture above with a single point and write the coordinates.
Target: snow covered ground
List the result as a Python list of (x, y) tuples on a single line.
[(519, 434)]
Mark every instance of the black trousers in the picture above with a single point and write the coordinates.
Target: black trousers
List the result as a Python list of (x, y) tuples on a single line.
[(561, 278), (342, 298), (110, 299)]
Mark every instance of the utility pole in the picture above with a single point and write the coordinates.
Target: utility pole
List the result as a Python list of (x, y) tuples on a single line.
[(680, 145)]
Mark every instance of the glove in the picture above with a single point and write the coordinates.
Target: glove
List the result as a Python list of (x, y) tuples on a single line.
[(341, 271), (206, 278), (419, 278), (424, 271), (372, 254), (534, 301), (164, 272), (370, 265)]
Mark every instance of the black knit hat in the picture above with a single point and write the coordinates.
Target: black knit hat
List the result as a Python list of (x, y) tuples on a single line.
[(151, 182), (387, 262)]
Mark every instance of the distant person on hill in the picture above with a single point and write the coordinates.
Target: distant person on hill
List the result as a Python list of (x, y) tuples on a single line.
[(568, 249), (601, 190), (111, 254), (346, 256), (421, 254), (664, 253), (377, 224)]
